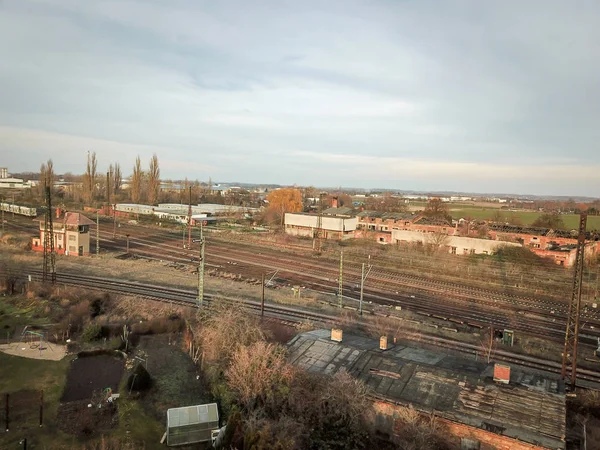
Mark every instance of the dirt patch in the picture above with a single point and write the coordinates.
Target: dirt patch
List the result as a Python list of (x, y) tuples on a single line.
[(52, 352), (279, 332), (90, 374), (81, 420)]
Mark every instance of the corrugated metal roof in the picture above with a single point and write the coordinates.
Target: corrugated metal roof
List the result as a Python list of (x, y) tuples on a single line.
[(342, 211)]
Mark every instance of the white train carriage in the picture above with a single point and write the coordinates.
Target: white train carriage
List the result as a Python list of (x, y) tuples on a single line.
[(18, 209)]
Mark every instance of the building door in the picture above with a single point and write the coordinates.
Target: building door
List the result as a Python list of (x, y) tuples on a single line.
[(81, 250)]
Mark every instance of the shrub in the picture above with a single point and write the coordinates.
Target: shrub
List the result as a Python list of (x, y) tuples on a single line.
[(140, 379), (91, 333)]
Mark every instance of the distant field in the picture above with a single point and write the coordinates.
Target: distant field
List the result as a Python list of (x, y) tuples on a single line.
[(527, 217)]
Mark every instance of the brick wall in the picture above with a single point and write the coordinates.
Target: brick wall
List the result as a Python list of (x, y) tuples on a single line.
[(455, 431)]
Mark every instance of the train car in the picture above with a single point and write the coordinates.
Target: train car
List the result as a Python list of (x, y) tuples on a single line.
[(18, 209)]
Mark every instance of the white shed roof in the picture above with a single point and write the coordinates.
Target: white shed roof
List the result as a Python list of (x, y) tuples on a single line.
[(190, 415)]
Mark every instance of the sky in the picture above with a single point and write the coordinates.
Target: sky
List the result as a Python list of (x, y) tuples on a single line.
[(451, 95)]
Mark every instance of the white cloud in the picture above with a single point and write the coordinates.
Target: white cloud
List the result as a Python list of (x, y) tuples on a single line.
[(476, 92)]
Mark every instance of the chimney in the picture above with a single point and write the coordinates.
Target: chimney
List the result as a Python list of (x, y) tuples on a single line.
[(3, 172), (502, 373), (383, 343), (334, 202), (336, 334), (58, 213)]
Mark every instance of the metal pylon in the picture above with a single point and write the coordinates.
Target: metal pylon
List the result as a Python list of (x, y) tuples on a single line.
[(569, 362), (49, 271)]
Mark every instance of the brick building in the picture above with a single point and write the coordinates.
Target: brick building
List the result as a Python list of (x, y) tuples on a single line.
[(71, 235), (467, 237)]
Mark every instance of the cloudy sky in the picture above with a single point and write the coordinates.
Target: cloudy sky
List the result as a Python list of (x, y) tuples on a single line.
[(427, 95)]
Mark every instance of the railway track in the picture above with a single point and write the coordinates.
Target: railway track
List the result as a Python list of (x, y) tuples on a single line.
[(188, 298), (467, 309), (450, 301)]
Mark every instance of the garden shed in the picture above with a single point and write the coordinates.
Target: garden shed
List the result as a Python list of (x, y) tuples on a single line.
[(191, 424)]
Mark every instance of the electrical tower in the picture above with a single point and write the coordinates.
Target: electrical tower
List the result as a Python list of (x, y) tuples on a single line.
[(341, 280), (49, 271), (201, 268), (569, 362), (189, 224), (318, 232)]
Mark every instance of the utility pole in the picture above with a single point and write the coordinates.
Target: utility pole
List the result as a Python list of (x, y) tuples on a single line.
[(569, 362), (2, 222), (190, 219), (127, 236), (363, 277), (262, 297), (49, 255), (97, 234), (318, 232), (341, 280), (201, 269)]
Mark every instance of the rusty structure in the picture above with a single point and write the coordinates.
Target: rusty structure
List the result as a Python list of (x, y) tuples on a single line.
[(318, 231), (49, 270), (569, 362), (189, 220)]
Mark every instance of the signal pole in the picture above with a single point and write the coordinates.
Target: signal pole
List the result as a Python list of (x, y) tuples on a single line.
[(97, 234), (201, 269), (569, 362), (190, 219), (363, 277), (341, 280), (262, 297)]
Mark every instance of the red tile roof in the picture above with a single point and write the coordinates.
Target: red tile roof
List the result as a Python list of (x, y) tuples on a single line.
[(72, 218)]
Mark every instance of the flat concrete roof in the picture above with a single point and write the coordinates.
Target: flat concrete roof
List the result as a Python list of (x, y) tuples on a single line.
[(531, 408)]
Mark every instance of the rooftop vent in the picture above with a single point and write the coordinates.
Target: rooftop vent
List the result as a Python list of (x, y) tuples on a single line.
[(383, 343), (336, 334), (502, 373)]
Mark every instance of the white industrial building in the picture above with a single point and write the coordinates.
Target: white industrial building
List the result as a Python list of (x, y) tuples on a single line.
[(298, 224), (458, 245)]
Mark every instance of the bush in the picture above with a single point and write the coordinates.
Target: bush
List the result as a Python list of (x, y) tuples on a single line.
[(140, 379), (91, 333)]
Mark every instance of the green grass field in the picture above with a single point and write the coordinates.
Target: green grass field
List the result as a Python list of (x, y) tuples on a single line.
[(571, 221)]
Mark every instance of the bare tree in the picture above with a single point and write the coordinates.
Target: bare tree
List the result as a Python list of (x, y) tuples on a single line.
[(438, 240), (136, 181), (487, 345), (46, 177), (153, 180), (89, 178), (41, 185), (214, 337), (117, 178), (437, 209), (259, 374)]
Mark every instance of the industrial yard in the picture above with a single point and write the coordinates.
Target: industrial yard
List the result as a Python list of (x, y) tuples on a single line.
[(299, 225)]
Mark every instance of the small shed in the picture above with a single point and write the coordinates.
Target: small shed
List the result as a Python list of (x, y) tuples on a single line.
[(191, 424)]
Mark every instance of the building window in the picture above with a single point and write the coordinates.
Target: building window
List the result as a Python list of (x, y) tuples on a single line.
[(72, 237), (472, 251), (453, 250), (72, 248)]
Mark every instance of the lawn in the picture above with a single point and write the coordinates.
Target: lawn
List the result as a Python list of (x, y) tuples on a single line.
[(571, 221), (19, 374)]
